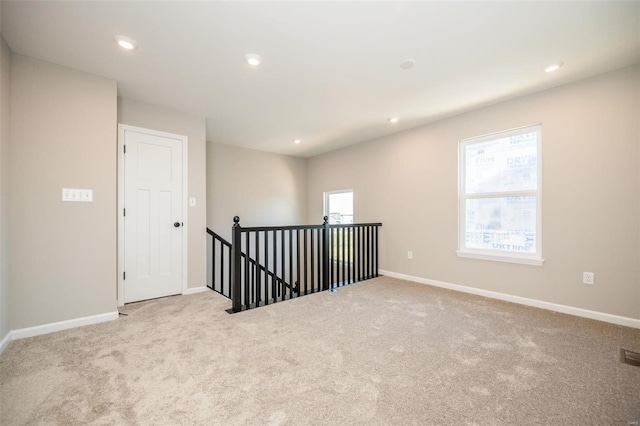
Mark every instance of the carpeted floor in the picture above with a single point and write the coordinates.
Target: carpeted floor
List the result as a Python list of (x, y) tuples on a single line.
[(383, 351)]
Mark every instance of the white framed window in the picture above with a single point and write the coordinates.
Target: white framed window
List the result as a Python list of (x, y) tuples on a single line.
[(338, 206), (500, 193)]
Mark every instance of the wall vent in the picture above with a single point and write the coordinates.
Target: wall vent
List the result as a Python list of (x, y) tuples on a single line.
[(630, 357)]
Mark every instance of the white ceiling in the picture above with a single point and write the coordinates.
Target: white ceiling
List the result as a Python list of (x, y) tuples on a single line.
[(331, 74)]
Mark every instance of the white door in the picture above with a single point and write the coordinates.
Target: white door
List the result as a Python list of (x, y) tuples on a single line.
[(153, 222)]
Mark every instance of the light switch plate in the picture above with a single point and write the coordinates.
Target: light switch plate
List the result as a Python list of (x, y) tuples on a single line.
[(79, 195), (192, 201)]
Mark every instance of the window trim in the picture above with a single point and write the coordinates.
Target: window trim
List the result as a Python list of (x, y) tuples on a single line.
[(498, 255)]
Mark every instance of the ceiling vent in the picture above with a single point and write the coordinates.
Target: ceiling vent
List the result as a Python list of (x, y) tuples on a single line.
[(407, 64)]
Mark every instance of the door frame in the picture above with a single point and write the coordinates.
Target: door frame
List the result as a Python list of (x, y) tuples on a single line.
[(185, 197)]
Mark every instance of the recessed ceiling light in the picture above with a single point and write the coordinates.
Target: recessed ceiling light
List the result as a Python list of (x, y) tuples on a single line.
[(253, 59), (553, 67), (126, 42), (297, 141), (407, 63), (393, 120)]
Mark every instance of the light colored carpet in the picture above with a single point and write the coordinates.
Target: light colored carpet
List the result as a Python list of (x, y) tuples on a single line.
[(383, 351)]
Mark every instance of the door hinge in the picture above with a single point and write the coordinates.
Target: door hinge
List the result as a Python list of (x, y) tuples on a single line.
[(125, 149), (124, 212), (124, 276)]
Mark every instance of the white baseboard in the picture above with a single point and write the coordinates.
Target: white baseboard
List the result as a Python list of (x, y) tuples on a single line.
[(62, 325), (585, 313), (5, 342), (195, 290)]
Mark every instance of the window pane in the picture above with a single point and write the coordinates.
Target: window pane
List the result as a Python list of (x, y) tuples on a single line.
[(503, 164), (505, 224), (340, 207)]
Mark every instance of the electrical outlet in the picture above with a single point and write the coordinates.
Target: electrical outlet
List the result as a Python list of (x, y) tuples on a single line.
[(588, 278), (409, 255)]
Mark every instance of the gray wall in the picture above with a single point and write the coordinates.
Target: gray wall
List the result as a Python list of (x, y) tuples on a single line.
[(590, 195), (167, 120), (264, 189), (63, 133), (5, 96)]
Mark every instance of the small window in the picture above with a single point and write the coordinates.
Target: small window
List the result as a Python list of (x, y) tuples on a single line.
[(500, 196), (338, 206)]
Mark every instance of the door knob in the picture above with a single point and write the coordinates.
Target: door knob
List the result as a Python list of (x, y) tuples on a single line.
[(176, 224)]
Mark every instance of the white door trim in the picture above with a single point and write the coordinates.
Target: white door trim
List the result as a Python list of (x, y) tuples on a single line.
[(185, 196)]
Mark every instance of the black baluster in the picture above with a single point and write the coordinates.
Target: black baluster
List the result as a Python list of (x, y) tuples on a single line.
[(344, 255), (274, 287), (290, 263), (223, 283), (313, 287), (375, 259), (319, 258), (213, 266), (283, 289), (333, 261), (247, 272), (367, 246), (356, 248), (305, 263), (258, 275), (298, 282), (266, 267)]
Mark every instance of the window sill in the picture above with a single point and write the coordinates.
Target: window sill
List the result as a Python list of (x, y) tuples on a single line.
[(498, 258)]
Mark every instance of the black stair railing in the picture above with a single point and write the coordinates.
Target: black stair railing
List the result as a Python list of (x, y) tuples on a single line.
[(313, 257), (353, 253), (221, 267), (290, 253)]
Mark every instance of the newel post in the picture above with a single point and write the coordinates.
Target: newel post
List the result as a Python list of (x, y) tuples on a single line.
[(236, 262), (326, 280)]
